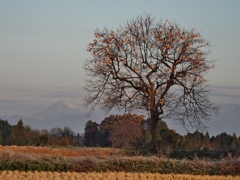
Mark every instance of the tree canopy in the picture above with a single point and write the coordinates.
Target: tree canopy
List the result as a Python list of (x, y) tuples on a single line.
[(155, 67)]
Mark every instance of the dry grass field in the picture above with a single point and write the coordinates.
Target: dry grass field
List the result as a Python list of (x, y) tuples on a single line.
[(105, 163), (18, 175), (65, 152)]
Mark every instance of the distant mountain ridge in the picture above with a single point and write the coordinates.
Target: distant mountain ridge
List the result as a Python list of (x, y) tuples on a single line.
[(63, 113), (227, 120), (58, 114), (62, 108)]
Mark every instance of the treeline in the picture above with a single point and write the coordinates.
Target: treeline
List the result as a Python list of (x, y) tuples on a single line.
[(24, 135), (119, 131), (134, 131)]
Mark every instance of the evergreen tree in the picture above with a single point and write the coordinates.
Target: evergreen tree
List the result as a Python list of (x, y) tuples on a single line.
[(186, 143), (234, 144), (206, 140), (42, 140), (5, 131), (91, 130), (18, 135), (223, 140)]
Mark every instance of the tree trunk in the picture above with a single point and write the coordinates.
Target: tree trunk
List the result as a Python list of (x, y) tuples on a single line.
[(154, 132)]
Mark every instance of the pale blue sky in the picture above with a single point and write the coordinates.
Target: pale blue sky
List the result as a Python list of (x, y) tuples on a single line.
[(43, 45)]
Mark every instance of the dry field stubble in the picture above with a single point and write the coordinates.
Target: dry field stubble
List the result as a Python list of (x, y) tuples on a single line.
[(74, 152), (18, 175), (86, 159)]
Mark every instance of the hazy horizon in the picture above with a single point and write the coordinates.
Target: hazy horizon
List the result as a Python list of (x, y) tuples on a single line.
[(43, 46)]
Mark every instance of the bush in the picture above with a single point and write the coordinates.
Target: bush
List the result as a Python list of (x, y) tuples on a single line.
[(34, 166), (205, 153)]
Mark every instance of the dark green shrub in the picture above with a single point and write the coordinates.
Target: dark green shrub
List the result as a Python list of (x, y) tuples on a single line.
[(205, 153), (34, 166)]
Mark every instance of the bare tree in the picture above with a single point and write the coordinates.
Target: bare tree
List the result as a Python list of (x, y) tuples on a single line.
[(125, 130), (156, 67)]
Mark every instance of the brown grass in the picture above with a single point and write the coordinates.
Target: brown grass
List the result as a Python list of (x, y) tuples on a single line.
[(74, 152), (18, 175), (109, 159)]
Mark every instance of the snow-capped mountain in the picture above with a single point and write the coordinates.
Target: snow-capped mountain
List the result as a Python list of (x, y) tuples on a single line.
[(63, 114), (61, 108), (59, 114)]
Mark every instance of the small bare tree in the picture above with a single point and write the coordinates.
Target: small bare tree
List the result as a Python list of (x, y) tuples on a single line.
[(155, 67), (126, 130)]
